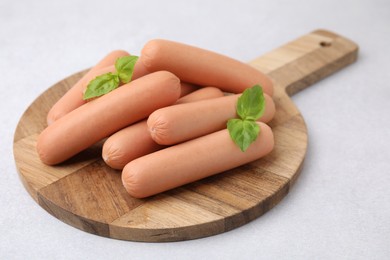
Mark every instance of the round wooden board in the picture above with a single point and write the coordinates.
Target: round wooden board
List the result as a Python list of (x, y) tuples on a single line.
[(89, 195)]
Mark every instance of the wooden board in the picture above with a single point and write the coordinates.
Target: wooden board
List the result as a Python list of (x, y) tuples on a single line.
[(88, 195)]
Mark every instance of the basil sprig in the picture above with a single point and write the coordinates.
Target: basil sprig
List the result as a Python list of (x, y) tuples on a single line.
[(106, 83), (250, 107)]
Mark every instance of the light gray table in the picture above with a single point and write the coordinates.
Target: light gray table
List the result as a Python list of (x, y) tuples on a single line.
[(340, 205)]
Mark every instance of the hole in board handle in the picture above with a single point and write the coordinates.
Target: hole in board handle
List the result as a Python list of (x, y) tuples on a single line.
[(325, 44)]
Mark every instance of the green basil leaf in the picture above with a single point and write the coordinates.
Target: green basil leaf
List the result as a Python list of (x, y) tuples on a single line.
[(243, 132), (125, 67), (101, 85), (251, 104)]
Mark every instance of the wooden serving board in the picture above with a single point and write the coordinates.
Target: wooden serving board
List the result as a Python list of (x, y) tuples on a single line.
[(88, 195)]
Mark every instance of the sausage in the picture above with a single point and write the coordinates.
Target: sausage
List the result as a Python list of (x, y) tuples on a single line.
[(98, 119), (135, 141), (191, 161), (171, 125), (73, 98), (202, 67)]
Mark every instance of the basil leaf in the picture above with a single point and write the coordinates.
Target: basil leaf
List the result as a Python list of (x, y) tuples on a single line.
[(243, 132), (251, 103), (125, 67), (101, 85)]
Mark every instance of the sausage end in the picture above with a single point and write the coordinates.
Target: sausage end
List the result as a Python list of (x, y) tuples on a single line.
[(113, 155), (158, 127), (53, 115), (43, 150), (132, 182), (117, 53), (149, 54), (267, 137), (268, 85), (270, 109)]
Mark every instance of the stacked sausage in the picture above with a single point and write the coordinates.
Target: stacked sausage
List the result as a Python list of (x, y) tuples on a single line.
[(165, 128)]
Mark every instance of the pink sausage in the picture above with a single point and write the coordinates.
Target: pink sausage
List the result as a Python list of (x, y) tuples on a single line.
[(191, 161), (74, 97), (100, 118), (176, 124), (202, 67)]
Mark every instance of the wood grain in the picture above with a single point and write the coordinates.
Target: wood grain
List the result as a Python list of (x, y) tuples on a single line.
[(88, 195)]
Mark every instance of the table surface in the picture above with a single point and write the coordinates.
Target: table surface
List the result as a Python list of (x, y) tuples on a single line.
[(340, 205)]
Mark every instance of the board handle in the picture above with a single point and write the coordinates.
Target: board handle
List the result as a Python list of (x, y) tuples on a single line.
[(306, 60)]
